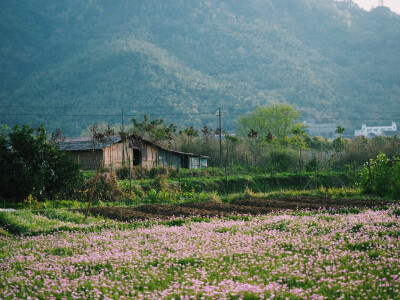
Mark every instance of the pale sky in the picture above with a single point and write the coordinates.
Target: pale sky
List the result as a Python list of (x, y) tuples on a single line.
[(394, 5)]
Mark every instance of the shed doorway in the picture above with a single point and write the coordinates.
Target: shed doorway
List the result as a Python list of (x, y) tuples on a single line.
[(185, 162), (137, 157)]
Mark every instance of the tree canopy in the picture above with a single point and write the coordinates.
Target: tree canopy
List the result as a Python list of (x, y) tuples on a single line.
[(156, 130), (30, 165), (275, 121)]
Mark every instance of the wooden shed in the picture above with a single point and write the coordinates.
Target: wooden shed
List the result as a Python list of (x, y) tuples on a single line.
[(149, 154), (88, 152), (114, 152)]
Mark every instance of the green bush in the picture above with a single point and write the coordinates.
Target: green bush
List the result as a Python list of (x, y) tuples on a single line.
[(160, 182), (123, 173), (382, 177), (33, 166), (264, 183), (283, 161), (154, 172), (312, 165), (139, 173)]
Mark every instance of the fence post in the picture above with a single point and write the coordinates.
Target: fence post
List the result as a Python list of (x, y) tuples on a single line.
[(179, 176), (130, 175), (370, 174), (226, 181)]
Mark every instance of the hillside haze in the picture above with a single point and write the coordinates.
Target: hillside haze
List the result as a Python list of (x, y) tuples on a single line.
[(69, 63)]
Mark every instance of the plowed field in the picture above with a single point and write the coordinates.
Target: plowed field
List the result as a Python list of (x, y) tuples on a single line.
[(213, 209)]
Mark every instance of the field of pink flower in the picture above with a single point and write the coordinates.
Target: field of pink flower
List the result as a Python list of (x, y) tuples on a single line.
[(288, 255)]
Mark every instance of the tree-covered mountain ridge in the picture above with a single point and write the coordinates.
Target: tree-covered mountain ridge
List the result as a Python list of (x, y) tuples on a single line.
[(73, 63)]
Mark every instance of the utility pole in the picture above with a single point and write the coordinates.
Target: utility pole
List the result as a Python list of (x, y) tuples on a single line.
[(219, 114), (123, 142), (122, 121)]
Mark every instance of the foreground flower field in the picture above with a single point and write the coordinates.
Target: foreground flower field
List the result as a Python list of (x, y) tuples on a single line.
[(288, 255)]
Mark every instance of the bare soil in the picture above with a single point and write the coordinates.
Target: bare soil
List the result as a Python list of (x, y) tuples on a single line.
[(213, 209)]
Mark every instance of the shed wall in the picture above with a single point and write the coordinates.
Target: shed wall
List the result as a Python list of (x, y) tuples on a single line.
[(149, 156), (169, 159), (87, 159), (113, 156)]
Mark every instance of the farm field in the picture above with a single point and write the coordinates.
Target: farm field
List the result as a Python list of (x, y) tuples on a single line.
[(336, 252), (251, 206)]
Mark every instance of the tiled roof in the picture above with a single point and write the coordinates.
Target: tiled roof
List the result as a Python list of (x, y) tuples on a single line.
[(87, 143)]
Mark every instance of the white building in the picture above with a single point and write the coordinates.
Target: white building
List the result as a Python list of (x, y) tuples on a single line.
[(323, 130), (375, 130), (326, 130)]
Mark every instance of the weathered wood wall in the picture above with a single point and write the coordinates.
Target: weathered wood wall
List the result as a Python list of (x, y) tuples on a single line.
[(87, 159), (113, 156), (149, 156)]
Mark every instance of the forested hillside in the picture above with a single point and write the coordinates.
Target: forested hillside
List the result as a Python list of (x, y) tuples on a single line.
[(72, 63)]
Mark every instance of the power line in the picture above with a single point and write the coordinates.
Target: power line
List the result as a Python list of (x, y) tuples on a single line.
[(177, 106), (229, 111), (107, 107), (178, 114), (97, 115)]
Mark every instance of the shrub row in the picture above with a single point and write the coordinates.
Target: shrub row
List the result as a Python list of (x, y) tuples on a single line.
[(256, 183)]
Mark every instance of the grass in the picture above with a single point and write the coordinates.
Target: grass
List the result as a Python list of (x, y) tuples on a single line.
[(45, 222), (28, 223), (343, 193)]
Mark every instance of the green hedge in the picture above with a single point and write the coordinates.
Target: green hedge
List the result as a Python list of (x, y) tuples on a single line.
[(256, 183)]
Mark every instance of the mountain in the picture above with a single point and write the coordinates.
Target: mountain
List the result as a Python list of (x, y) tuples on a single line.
[(71, 63)]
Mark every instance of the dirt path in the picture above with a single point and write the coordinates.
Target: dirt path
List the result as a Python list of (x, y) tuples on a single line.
[(211, 209)]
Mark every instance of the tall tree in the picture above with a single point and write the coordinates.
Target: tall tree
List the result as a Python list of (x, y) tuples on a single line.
[(278, 120)]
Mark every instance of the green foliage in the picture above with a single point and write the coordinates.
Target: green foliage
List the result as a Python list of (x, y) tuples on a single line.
[(175, 195), (63, 203), (160, 182), (396, 212), (266, 123), (359, 150), (282, 161), (318, 143), (65, 215), (272, 134), (32, 166), (123, 173), (312, 165), (265, 182), (338, 144), (154, 130), (382, 177)]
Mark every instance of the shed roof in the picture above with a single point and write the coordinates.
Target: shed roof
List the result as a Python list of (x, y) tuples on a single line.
[(87, 143), (139, 138)]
